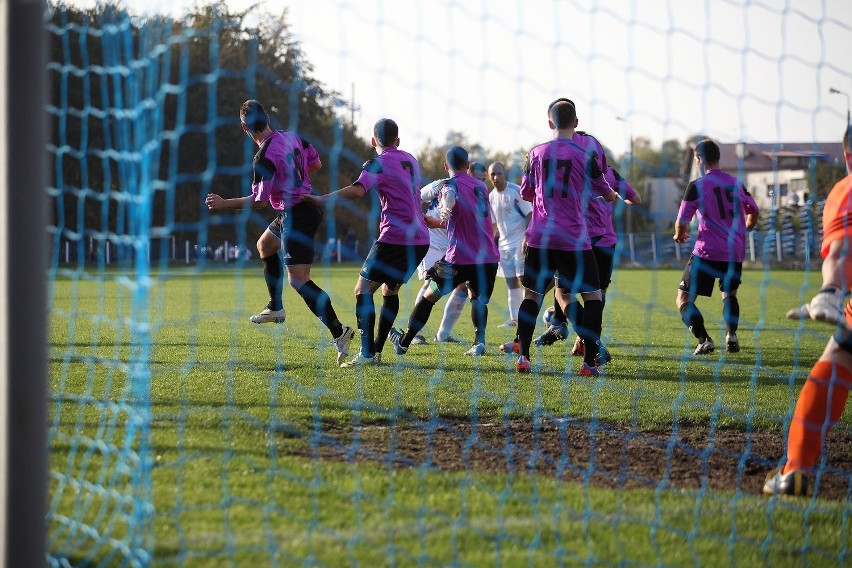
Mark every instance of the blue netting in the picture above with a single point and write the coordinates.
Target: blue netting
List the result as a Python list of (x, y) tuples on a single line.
[(182, 434)]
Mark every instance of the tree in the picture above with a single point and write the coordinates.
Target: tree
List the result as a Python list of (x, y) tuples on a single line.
[(149, 107)]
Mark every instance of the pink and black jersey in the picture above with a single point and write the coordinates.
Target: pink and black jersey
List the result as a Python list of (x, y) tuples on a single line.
[(395, 175), (469, 228), (721, 202), (280, 169), (600, 211), (561, 178)]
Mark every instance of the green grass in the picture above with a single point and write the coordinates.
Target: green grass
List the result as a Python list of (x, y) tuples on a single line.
[(238, 411)]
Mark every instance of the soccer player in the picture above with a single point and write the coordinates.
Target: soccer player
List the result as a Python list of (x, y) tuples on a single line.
[(511, 215), (281, 177), (823, 397), (471, 257), (725, 212), (438, 243), (403, 236), (604, 239), (560, 178)]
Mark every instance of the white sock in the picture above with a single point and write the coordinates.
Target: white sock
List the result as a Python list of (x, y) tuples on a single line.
[(422, 292), (516, 296), (452, 313)]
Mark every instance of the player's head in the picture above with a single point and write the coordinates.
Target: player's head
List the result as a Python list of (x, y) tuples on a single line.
[(497, 175), (562, 115), (253, 116), (477, 170), (560, 100), (385, 133), (456, 159), (847, 148), (707, 153)]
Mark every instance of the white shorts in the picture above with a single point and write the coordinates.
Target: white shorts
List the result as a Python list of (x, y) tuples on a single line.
[(511, 262), (432, 256)]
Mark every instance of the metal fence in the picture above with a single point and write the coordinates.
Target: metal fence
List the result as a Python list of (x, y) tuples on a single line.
[(788, 249)]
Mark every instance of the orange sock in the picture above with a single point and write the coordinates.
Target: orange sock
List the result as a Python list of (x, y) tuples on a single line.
[(804, 442)]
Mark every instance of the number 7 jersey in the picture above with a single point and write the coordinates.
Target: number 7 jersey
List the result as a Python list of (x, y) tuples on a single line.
[(395, 175), (721, 202)]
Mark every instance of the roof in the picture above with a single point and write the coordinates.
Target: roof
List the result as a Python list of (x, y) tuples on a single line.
[(758, 157)]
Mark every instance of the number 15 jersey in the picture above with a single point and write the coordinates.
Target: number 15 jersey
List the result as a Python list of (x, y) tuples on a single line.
[(721, 202)]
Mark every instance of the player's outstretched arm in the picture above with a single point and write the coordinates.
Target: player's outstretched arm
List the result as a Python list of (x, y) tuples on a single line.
[(216, 202), (348, 193)]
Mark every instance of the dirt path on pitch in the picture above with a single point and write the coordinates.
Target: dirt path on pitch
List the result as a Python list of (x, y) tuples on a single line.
[(583, 452)]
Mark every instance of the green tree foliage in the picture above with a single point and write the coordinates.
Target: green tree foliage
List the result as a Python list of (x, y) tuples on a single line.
[(154, 103)]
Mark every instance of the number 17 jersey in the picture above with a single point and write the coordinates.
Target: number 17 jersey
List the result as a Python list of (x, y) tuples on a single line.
[(560, 178), (721, 202)]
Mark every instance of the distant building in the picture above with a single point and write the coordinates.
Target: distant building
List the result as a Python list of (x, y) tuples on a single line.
[(661, 197), (777, 175)]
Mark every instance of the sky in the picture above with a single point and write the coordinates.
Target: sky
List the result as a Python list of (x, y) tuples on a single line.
[(661, 69)]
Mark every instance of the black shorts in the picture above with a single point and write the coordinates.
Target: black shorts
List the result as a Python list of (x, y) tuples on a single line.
[(479, 278), (392, 264), (578, 270), (297, 228), (700, 274), (604, 257)]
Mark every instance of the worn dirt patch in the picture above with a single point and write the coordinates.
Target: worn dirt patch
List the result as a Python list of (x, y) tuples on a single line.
[(688, 458)]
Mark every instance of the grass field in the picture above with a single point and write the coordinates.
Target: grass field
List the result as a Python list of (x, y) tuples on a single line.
[(264, 452)]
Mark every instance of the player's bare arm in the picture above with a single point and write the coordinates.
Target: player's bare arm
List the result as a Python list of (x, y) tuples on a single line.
[(348, 193), (681, 233), (751, 221), (433, 223), (216, 202)]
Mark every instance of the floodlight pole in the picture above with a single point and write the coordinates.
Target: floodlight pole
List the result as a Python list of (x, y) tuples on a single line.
[(834, 91), (23, 293)]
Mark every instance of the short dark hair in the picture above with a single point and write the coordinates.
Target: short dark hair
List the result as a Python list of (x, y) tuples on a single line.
[(385, 132), (253, 115), (847, 139), (477, 167), (562, 114), (709, 151), (457, 158), (560, 100)]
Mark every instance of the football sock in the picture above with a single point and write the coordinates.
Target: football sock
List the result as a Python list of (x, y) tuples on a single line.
[(731, 313), (419, 317), (558, 314), (422, 291), (805, 440), (389, 311), (452, 312), (694, 320), (591, 330), (516, 296), (365, 315), (320, 304), (574, 313), (479, 316), (527, 314), (273, 273)]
